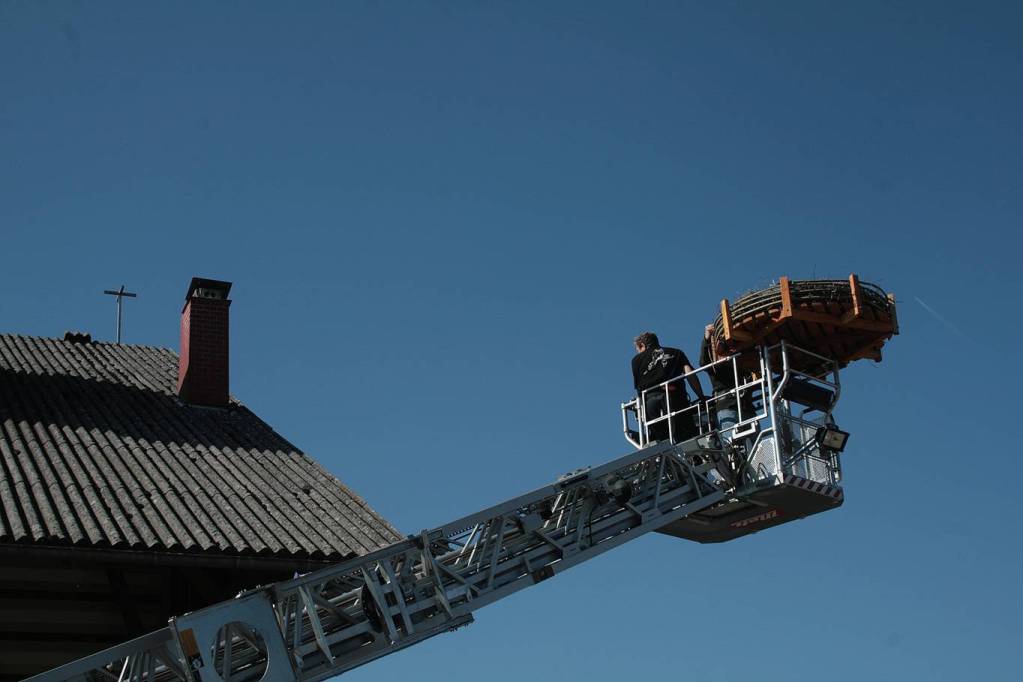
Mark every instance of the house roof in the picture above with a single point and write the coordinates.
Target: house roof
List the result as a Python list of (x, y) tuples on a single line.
[(97, 451)]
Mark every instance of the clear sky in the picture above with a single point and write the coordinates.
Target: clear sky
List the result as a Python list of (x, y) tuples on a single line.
[(446, 221)]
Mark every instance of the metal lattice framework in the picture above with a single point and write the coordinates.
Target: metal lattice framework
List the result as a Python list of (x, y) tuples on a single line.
[(324, 623)]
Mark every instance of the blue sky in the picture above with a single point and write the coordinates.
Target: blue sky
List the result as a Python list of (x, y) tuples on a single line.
[(445, 222)]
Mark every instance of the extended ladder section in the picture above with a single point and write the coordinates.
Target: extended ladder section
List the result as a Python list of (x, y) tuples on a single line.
[(324, 623)]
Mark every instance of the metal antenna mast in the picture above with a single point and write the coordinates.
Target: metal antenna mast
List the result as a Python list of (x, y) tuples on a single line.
[(120, 294)]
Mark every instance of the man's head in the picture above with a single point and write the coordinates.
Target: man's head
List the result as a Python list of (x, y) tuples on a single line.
[(646, 340)]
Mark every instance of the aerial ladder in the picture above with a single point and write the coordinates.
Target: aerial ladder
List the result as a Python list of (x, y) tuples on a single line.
[(778, 462)]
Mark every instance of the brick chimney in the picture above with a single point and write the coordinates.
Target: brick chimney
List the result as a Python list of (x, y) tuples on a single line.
[(203, 360)]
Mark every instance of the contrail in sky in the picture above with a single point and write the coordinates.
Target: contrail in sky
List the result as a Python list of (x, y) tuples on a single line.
[(945, 322), (938, 316)]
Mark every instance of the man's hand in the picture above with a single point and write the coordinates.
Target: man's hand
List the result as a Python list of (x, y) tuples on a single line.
[(707, 331)]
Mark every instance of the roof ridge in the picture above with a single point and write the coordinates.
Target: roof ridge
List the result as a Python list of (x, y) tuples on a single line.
[(94, 342)]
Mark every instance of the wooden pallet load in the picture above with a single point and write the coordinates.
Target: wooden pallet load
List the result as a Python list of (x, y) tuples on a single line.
[(845, 320)]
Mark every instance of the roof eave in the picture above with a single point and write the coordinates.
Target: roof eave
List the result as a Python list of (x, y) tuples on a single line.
[(137, 557)]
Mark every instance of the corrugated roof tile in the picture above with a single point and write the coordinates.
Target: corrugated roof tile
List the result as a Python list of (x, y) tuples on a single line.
[(97, 451)]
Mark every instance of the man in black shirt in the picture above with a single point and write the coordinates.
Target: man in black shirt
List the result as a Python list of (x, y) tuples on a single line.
[(722, 380), (654, 364), (722, 383)]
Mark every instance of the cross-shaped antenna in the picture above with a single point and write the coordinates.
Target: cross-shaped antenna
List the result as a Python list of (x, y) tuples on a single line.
[(120, 294)]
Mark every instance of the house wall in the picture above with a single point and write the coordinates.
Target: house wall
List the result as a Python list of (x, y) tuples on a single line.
[(55, 611)]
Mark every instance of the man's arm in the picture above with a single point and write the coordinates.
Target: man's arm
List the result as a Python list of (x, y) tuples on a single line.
[(694, 381), (707, 354)]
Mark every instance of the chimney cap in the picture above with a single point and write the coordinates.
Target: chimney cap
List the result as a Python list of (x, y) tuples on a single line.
[(201, 287)]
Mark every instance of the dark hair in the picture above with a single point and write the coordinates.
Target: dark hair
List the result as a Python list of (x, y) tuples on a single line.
[(648, 339)]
